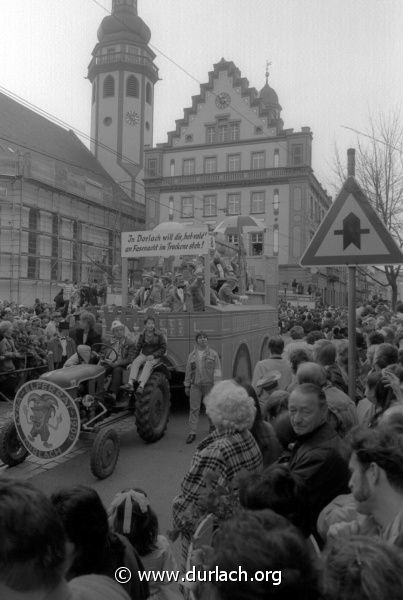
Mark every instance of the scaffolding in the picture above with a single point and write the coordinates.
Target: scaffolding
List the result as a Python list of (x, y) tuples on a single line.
[(48, 234)]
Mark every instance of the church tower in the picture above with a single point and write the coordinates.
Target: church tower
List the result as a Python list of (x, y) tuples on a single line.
[(123, 75)]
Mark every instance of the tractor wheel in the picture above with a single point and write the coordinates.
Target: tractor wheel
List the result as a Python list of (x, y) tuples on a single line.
[(12, 451), (104, 453), (152, 408), (242, 368)]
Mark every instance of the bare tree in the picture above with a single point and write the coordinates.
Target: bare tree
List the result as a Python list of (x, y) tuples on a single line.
[(379, 171)]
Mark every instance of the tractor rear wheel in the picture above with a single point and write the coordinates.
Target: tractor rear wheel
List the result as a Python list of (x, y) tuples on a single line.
[(12, 451), (152, 408)]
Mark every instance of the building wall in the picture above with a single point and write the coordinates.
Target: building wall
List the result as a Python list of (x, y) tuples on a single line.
[(48, 234)]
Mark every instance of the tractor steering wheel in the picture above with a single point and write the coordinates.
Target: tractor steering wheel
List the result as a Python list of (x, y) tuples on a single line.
[(105, 353)]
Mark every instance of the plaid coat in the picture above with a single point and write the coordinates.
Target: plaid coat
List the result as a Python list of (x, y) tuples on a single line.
[(224, 453)]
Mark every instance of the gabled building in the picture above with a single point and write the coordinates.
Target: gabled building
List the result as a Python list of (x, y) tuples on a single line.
[(61, 213), (230, 155)]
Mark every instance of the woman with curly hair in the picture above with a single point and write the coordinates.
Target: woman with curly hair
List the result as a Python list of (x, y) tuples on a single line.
[(228, 450), (362, 568), (86, 334)]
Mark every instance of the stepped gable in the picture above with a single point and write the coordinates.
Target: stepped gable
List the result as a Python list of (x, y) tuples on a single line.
[(237, 81)]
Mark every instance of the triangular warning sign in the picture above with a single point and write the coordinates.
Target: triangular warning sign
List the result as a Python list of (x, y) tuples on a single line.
[(351, 234)]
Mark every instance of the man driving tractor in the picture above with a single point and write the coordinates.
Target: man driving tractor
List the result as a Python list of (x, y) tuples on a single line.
[(125, 353)]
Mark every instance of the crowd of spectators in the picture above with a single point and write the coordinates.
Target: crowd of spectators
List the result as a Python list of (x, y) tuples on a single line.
[(303, 479), (323, 501), (36, 338)]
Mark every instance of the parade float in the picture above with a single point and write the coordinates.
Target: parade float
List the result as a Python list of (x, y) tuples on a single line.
[(51, 413)]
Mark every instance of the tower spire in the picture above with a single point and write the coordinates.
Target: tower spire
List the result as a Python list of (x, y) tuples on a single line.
[(267, 71), (125, 4)]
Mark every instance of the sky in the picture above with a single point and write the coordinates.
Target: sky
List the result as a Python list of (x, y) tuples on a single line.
[(334, 62)]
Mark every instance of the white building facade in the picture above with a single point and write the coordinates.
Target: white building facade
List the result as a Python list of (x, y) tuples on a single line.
[(230, 155)]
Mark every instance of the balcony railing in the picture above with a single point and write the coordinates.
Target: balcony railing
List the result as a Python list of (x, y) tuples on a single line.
[(228, 177), (123, 57)]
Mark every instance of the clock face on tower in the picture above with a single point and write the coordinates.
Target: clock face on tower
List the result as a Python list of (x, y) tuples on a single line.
[(132, 118), (223, 100)]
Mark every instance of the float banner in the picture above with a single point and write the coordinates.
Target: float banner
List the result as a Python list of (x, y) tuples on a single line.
[(175, 242)]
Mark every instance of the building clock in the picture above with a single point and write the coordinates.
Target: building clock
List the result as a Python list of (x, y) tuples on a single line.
[(223, 100), (132, 118)]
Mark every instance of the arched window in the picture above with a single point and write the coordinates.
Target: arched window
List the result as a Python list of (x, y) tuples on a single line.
[(109, 87), (148, 93), (275, 239), (132, 86), (94, 91)]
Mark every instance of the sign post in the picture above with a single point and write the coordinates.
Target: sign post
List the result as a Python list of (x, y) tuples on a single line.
[(351, 332), (125, 273), (351, 234)]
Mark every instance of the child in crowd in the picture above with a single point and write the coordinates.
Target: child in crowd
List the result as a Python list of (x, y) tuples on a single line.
[(130, 514)]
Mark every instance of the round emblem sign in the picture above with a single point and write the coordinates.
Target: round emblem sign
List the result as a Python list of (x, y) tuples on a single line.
[(46, 418)]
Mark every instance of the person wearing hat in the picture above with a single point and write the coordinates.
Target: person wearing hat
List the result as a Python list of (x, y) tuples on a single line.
[(179, 297), (226, 294), (274, 363), (167, 284), (149, 293), (61, 345), (125, 350)]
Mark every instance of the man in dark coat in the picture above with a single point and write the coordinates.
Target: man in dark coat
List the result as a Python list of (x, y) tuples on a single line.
[(319, 461)]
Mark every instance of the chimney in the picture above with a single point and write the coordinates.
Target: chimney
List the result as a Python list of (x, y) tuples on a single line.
[(351, 162)]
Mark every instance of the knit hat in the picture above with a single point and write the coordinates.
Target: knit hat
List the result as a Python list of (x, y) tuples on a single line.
[(116, 324), (84, 352)]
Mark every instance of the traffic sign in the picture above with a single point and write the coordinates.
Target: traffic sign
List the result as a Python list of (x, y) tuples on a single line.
[(351, 234)]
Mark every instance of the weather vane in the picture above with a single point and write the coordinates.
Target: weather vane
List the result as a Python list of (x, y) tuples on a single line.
[(267, 71)]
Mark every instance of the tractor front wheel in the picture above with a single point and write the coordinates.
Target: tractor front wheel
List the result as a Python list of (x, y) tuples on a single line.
[(12, 451), (104, 453), (152, 408)]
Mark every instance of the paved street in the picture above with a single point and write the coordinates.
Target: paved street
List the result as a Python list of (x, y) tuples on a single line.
[(156, 468)]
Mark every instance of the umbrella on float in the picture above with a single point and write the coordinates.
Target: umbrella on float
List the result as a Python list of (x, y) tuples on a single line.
[(168, 225), (234, 224)]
